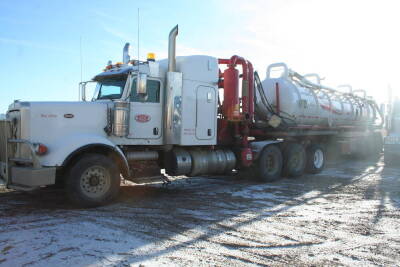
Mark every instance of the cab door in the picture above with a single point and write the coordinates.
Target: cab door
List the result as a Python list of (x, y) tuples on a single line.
[(145, 121)]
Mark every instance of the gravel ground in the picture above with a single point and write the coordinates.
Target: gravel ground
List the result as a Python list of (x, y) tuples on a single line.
[(347, 215)]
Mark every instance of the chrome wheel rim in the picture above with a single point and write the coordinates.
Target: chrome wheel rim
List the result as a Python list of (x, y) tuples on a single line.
[(318, 158), (95, 181)]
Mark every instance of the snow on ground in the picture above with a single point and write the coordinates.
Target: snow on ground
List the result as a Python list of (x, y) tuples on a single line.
[(347, 215)]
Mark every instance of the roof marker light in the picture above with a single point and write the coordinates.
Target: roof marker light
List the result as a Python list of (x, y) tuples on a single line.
[(151, 57)]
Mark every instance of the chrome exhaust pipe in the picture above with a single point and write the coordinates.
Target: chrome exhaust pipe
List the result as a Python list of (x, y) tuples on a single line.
[(172, 49), (125, 54)]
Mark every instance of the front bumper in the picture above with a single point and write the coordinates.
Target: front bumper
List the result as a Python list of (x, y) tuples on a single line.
[(32, 177), (24, 173), (27, 177)]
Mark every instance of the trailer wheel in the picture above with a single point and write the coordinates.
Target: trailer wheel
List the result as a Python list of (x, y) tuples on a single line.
[(315, 159), (93, 180), (268, 167), (294, 160)]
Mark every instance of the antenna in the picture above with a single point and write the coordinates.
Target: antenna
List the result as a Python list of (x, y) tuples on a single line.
[(138, 13), (80, 59)]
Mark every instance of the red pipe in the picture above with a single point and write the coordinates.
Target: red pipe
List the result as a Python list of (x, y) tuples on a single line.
[(248, 78), (231, 109), (278, 101), (248, 83), (251, 90), (231, 87), (224, 61), (239, 60), (245, 85)]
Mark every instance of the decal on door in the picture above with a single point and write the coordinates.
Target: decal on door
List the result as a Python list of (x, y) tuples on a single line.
[(143, 118)]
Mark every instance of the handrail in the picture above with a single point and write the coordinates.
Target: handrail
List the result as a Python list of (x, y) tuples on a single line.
[(348, 86), (311, 75), (362, 91), (275, 65)]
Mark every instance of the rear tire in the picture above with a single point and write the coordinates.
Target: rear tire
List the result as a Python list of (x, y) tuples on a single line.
[(315, 159), (294, 160), (268, 167), (92, 181)]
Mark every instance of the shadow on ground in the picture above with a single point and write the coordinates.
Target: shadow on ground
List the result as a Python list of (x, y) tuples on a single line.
[(202, 205)]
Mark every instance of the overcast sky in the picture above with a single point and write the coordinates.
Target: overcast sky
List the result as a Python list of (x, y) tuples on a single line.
[(348, 42)]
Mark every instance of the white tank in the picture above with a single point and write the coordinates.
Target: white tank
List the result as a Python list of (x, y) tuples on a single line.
[(303, 102)]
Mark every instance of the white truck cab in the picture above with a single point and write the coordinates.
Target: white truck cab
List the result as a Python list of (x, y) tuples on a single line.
[(139, 111)]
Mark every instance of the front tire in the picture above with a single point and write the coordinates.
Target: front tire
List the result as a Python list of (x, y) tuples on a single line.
[(315, 159), (94, 180)]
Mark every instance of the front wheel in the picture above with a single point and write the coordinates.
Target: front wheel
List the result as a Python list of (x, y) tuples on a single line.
[(268, 167), (93, 180)]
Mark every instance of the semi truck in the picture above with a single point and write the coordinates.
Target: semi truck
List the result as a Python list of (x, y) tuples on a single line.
[(182, 116)]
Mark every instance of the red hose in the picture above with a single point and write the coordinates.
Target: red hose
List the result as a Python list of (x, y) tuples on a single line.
[(251, 90)]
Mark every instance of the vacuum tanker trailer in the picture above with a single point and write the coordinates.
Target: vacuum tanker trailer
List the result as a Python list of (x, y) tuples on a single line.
[(188, 115)]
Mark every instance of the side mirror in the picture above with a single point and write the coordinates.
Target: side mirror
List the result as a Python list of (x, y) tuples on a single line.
[(82, 86), (141, 84)]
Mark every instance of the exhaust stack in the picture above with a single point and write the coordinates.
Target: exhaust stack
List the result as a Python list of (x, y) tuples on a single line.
[(172, 49), (125, 54), (173, 94)]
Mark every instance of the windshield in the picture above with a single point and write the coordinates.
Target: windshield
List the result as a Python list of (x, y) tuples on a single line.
[(111, 88)]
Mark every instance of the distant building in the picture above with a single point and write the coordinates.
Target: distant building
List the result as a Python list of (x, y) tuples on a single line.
[(2, 116)]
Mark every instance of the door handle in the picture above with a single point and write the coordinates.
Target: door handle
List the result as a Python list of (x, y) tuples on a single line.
[(155, 131)]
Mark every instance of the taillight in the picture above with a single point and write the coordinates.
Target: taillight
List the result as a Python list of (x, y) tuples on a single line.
[(40, 149)]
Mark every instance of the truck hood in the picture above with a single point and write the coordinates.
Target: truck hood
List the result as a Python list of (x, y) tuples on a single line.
[(54, 123), (47, 121), (53, 118)]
